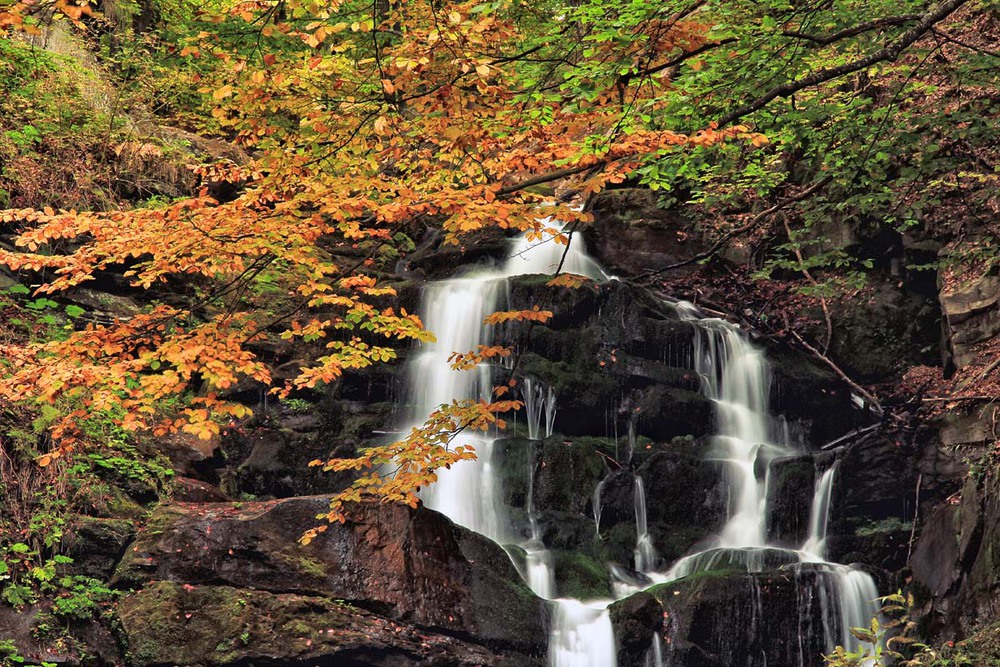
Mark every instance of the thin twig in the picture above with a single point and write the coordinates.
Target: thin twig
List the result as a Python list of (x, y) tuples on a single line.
[(916, 514)]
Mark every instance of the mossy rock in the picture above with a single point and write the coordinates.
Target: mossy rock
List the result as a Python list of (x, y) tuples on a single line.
[(982, 649), (167, 623), (580, 576), (96, 544)]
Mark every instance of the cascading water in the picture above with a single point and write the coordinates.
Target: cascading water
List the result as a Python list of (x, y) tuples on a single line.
[(539, 403), (581, 634), (645, 553), (734, 374), (538, 561), (819, 515), (454, 311)]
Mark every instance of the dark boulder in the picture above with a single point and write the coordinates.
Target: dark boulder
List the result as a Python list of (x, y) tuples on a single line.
[(635, 620), (272, 459), (790, 490), (97, 544), (739, 619), (686, 497), (635, 231), (411, 565)]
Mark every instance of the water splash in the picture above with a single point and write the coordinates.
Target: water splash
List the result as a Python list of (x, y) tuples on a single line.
[(581, 635), (540, 407)]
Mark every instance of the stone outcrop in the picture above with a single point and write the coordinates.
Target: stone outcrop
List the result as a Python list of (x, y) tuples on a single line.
[(971, 310), (634, 232), (407, 566), (167, 623)]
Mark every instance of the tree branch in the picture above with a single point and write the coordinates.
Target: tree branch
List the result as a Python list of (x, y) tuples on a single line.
[(972, 47), (825, 40), (673, 62), (876, 406), (754, 221), (887, 53)]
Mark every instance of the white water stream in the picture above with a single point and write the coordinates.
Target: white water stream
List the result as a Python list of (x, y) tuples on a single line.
[(737, 377), (734, 374)]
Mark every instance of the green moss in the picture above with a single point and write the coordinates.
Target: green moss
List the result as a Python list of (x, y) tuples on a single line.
[(168, 623), (891, 525), (580, 576), (691, 584), (618, 543), (311, 567)]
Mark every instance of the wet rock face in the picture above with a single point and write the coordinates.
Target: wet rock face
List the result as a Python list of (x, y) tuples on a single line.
[(738, 619), (790, 490), (633, 233), (873, 503), (410, 566), (635, 620), (610, 351), (686, 497)]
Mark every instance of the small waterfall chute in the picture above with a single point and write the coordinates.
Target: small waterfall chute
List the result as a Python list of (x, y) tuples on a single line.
[(581, 635)]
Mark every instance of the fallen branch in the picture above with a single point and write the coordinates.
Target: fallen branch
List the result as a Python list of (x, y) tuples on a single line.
[(916, 514), (949, 399), (979, 376), (833, 444), (864, 393), (812, 281)]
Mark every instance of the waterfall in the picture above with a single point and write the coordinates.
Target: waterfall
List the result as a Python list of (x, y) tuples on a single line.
[(737, 378), (645, 552), (582, 635), (454, 311), (819, 515), (733, 374)]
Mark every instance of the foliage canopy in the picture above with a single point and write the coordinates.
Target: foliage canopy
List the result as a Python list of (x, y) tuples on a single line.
[(369, 123)]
